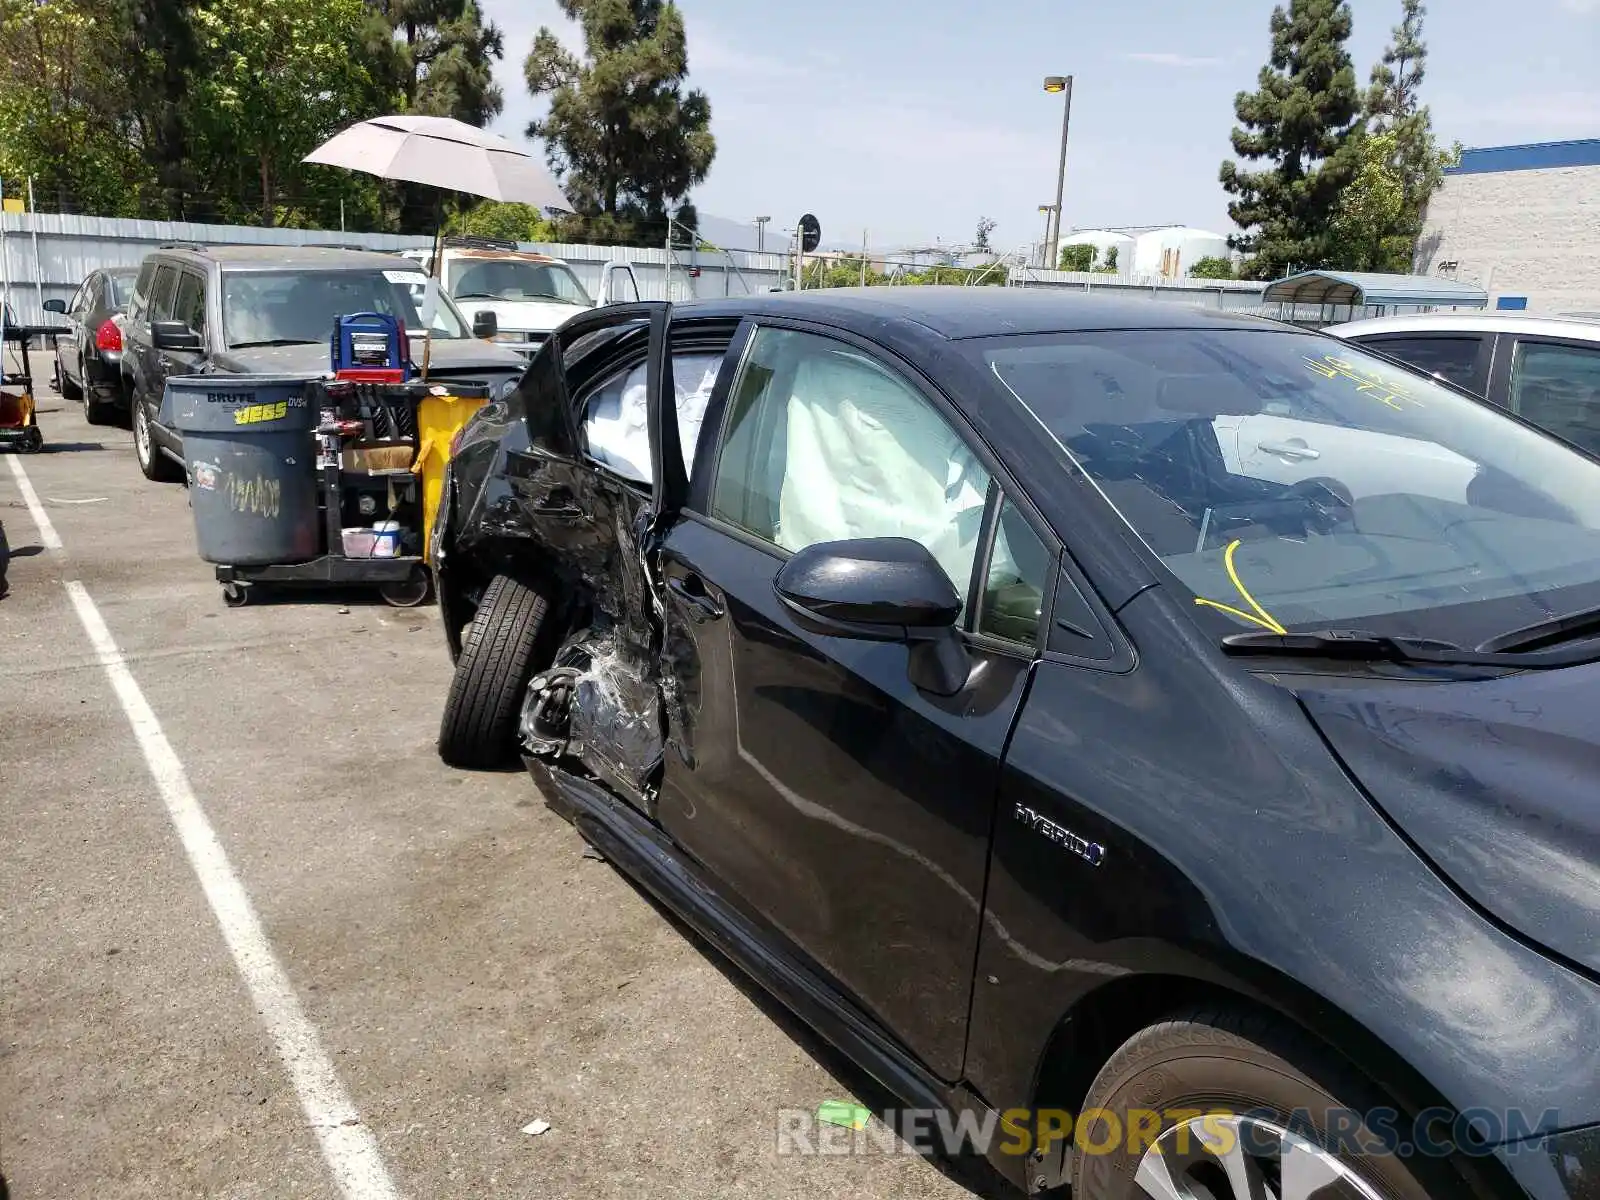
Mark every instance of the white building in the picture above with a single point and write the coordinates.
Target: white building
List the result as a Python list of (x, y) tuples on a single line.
[(1522, 223), (1170, 252), (1103, 241)]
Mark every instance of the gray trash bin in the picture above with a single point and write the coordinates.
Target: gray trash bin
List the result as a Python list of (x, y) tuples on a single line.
[(249, 447)]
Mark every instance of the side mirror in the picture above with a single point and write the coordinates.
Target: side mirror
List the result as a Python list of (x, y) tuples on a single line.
[(485, 324), (174, 335), (55, 306), (881, 590)]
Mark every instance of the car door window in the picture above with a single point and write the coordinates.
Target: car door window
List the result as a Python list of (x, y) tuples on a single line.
[(1453, 358), (824, 443), (1557, 387), (1014, 584), (616, 416), (79, 300), (189, 305), (139, 302), (161, 293)]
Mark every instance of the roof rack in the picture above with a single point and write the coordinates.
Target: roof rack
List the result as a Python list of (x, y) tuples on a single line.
[(337, 246), (183, 246), (480, 243)]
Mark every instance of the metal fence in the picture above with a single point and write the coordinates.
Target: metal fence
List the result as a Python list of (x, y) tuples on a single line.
[(46, 255)]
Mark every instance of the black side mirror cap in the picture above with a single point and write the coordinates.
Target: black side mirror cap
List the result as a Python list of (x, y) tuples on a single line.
[(174, 335), (877, 589), (55, 306), (485, 324)]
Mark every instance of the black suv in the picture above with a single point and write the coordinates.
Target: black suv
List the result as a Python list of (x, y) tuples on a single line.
[(270, 310)]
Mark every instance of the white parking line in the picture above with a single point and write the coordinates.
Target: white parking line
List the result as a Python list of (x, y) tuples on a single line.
[(348, 1146), (47, 531)]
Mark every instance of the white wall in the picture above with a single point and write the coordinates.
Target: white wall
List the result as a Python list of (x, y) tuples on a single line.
[(1519, 233)]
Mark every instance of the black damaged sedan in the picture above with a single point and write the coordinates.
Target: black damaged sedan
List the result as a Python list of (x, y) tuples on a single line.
[(1162, 744)]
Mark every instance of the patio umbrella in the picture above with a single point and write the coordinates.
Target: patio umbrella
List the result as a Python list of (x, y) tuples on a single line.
[(446, 154)]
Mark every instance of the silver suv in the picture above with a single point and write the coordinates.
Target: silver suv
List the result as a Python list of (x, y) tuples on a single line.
[(269, 310)]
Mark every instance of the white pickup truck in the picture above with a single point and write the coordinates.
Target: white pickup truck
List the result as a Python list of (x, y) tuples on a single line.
[(528, 293)]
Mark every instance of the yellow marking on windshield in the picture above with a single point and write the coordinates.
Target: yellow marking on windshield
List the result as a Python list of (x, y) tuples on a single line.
[(1262, 617), (1367, 381)]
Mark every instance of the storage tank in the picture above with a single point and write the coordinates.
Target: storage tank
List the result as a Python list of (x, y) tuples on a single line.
[(1172, 251), (1102, 240)]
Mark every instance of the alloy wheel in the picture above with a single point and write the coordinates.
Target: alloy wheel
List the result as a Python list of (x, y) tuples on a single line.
[(1243, 1158), (141, 433)]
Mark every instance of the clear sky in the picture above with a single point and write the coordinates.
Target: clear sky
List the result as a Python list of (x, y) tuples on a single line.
[(910, 119)]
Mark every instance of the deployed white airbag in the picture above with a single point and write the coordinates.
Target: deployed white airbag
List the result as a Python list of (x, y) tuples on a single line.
[(867, 457), (617, 424)]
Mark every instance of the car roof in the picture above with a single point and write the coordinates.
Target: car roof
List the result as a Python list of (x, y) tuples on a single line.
[(279, 258), (532, 256), (1582, 328), (973, 312)]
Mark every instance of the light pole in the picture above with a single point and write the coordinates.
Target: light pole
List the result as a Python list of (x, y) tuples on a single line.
[(1062, 84), (1044, 247), (761, 233)]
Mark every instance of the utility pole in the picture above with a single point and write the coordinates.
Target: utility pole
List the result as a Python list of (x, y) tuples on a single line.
[(1062, 84), (761, 234), (38, 266)]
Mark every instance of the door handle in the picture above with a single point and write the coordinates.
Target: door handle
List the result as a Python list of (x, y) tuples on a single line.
[(1289, 450), (702, 605)]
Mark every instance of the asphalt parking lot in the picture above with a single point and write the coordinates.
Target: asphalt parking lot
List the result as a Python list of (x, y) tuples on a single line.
[(457, 964)]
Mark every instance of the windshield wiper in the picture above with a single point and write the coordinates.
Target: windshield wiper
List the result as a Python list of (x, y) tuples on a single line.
[(1361, 645), (476, 296), (274, 342), (1545, 633)]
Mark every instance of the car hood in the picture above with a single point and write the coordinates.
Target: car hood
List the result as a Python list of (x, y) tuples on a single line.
[(522, 316), (1497, 781), (458, 358)]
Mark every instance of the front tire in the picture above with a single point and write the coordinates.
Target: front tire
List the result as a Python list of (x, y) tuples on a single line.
[(499, 654), (1256, 1084), (156, 466)]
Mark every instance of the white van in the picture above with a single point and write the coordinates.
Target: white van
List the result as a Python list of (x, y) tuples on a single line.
[(528, 293)]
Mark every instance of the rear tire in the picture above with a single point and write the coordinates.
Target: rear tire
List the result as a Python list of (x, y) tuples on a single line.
[(499, 654), (1271, 1079), (68, 389), (98, 412)]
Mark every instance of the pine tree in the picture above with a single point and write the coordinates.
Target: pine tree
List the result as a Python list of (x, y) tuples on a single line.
[(1302, 121), (446, 60), (1392, 105), (623, 134)]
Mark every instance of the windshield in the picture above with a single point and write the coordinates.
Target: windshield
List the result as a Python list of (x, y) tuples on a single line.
[(283, 307), (1290, 482), (517, 279)]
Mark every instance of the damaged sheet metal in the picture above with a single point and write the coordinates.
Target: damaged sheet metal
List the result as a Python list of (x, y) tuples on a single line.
[(599, 705)]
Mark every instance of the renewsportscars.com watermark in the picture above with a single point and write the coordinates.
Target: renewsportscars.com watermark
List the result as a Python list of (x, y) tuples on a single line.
[(839, 1129)]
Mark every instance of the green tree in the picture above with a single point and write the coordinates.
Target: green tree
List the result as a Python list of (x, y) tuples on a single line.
[(494, 219), (59, 110), (156, 53), (622, 133), (1213, 267), (1393, 107), (1300, 122), (443, 60), (1077, 257), (980, 243), (1110, 266), (1376, 227), (277, 77)]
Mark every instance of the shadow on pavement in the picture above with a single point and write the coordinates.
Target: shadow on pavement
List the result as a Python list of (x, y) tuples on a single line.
[(974, 1174)]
